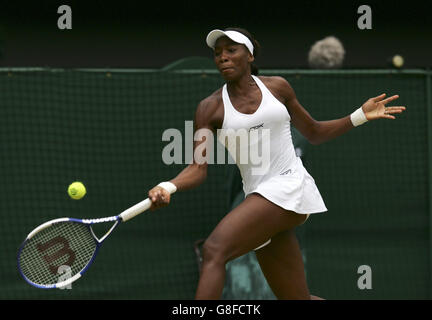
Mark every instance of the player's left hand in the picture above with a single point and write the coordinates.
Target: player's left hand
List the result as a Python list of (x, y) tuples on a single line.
[(375, 108)]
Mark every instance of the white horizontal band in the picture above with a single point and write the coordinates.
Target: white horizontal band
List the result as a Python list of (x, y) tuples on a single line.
[(233, 35), (358, 117), (240, 38), (168, 186)]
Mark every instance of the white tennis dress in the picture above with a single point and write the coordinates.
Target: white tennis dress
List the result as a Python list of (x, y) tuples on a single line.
[(281, 177)]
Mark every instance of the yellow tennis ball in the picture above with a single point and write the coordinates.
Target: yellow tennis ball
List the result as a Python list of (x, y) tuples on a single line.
[(398, 61), (76, 190)]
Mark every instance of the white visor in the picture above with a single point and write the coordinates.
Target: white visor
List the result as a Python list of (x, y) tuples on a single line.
[(233, 35)]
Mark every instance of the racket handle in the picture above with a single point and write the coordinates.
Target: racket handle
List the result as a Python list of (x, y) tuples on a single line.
[(135, 210)]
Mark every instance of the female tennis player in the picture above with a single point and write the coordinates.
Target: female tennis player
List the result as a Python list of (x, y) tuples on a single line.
[(281, 198)]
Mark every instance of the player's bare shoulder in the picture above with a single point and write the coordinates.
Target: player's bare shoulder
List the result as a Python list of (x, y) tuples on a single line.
[(279, 87), (210, 111)]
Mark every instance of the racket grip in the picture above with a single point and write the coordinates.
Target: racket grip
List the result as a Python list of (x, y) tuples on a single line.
[(135, 210)]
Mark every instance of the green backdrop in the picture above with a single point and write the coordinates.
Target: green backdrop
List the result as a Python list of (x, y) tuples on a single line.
[(104, 128)]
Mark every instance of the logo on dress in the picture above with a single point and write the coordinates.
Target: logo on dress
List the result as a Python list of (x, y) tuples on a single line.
[(256, 127), (286, 172)]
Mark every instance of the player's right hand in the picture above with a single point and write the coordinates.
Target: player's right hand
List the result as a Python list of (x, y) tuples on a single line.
[(159, 197)]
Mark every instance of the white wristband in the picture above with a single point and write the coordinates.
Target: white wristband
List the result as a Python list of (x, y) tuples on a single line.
[(168, 186), (358, 117)]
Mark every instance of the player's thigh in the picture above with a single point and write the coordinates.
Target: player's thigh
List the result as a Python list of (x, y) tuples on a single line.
[(248, 226), (284, 250), (282, 264)]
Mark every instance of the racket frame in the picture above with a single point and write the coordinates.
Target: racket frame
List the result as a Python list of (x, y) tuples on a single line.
[(88, 223), (122, 217)]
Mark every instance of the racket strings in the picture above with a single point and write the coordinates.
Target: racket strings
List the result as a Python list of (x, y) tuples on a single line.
[(68, 244)]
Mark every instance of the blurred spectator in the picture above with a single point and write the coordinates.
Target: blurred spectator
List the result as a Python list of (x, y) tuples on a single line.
[(327, 53)]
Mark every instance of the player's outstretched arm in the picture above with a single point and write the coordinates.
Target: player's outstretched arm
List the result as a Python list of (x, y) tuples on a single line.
[(195, 173), (321, 131), (190, 177)]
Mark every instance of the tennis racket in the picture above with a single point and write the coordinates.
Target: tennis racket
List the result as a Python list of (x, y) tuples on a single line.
[(66, 243)]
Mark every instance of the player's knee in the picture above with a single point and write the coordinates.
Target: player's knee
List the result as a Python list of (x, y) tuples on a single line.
[(214, 252)]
